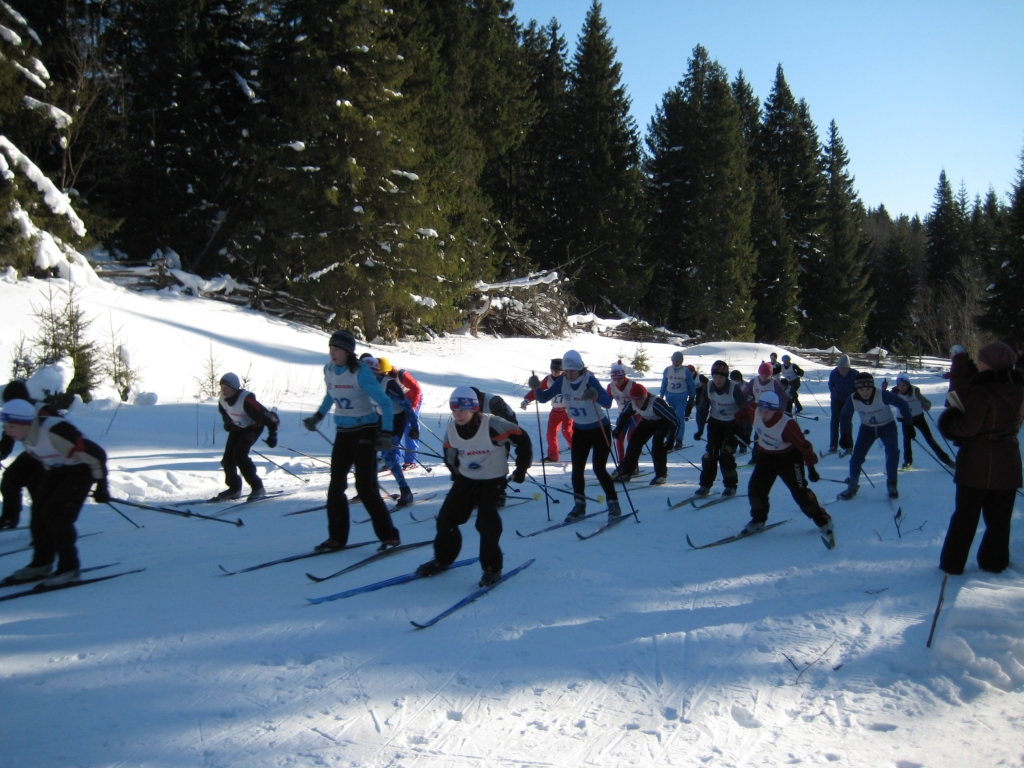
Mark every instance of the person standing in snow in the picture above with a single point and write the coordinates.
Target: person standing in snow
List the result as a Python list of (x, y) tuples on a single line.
[(723, 398), (401, 412), (476, 450), (918, 405), (678, 389), (71, 464), (619, 392), (244, 419), (988, 465), (783, 453), (582, 394), (357, 397), (702, 390), (558, 418), (790, 372), (840, 386), (25, 471), (876, 423), (657, 420), (414, 394)]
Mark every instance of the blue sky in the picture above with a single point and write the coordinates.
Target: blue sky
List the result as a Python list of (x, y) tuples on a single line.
[(914, 87)]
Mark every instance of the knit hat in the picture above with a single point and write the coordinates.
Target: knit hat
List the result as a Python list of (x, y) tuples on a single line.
[(955, 350), (863, 378), (768, 400), (720, 367), (844, 361), (765, 369), (556, 363), (464, 399), (618, 370), (902, 377), (637, 390), (385, 365), (372, 362), (16, 390), (18, 412), (231, 380), (997, 356), (677, 357), (571, 361), (343, 340), (786, 358)]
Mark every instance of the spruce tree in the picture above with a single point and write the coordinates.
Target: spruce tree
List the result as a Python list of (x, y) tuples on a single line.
[(892, 323), (1004, 307), (776, 291)]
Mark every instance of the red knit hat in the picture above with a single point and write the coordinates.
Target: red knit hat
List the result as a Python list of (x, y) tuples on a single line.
[(765, 369), (637, 390), (997, 356)]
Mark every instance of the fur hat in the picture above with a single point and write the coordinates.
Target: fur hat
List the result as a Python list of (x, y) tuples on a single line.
[(997, 356)]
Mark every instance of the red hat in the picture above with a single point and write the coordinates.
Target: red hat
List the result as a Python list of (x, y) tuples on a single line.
[(637, 390), (765, 369)]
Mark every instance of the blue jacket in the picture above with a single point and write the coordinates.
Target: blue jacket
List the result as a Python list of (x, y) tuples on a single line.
[(888, 397), (582, 417), (841, 386), (662, 411)]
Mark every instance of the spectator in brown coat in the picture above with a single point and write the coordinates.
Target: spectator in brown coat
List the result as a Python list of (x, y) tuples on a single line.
[(988, 466)]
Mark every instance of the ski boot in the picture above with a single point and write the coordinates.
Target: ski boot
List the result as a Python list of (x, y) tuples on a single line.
[(490, 578), (614, 510), (431, 568), (578, 512)]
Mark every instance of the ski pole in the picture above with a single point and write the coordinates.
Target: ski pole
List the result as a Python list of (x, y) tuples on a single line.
[(540, 439), (429, 469), (122, 514), (599, 499), (547, 494), (812, 418), (303, 479), (935, 618), (615, 462), (113, 417), (176, 512), (865, 473), (300, 453), (325, 437), (933, 456), (833, 480)]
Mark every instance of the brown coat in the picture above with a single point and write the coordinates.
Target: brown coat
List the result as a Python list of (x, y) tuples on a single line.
[(987, 431)]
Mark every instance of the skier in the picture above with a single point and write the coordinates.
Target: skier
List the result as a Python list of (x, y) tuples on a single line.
[(658, 420), (244, 419), (414, 394), (773, 360), (876, 423), (722, 399), (918, 405), (961, 370), (678, 388), (783, 452), (401, 411), (745, 429), (357, 397), (702, 389), (764, 382), (840, 387), (25, 471), (988, 466), (582, 394), (558, 418), (476, 450), (71, 464), (791, 373), (619, 391)]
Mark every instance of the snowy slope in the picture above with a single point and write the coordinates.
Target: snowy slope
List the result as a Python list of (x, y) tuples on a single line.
[(629, 649)]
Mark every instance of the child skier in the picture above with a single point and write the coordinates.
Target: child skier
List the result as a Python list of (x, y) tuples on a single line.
[(476, 452), (722, 399), (791, 373), (357, 397), (414, 394), (619, 392), (558, 418), (401, 412), (582, 394), (244, 419), (25, 471), (918, 405), (678, 388), (876, 423), (658, 420), (70, 465), (782, 452)]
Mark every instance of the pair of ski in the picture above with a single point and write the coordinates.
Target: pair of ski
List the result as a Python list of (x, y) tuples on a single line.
[(715, 499), (268, 496), (829, 540), (841, 453), (40, 589), (392, 510), (353, 500), (613, 521), (406, 578), (305, 555), (30, 547)]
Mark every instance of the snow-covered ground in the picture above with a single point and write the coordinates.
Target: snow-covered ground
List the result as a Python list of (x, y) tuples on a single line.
[(627, 649)]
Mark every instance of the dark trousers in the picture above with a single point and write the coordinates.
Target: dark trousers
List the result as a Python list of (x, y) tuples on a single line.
[(788, 466), (866, 437), (57, 500), (644, 431), (721, 451), (922, 426), (356, 448), (236, 457), (585, 441), (794, 399), (24, 472), (838, 403), (465, 495), (971, 503)]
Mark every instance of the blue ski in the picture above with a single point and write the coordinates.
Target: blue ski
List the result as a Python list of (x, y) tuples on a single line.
[(378, 555), (471, 597), (394, 581)]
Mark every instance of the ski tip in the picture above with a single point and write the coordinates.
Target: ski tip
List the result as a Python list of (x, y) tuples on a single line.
[(688, 541), (521, 535), (580, 536), (418, 626), (226, 571), (311, 577)]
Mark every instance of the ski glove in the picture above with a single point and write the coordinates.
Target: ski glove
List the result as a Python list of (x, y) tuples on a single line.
[(525, 404), (812, 475), (310, 422), (414, 433), (589, 394), (533, 382), (271, 440), (384, 442), (519, 476), (102, 492)]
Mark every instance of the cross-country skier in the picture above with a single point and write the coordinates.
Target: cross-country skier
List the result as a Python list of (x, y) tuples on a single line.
[(414, 394), (558, 418), (918, 405), (791, 373), (71, 465), (476, 450), (401, 412), (678, 389), (244, 418), (723, 398), (840, 387), (764, 382), (988, 467), (657, 420), (619, 391), (876, 423), (773, 359), (25, 471), (357, 397), (583, 394), (702, 388), (782, 452)]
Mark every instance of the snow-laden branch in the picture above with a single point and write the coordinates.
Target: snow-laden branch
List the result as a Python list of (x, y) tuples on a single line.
[(544, 278), (57, 200), (246, 88), (61, 119)]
